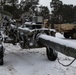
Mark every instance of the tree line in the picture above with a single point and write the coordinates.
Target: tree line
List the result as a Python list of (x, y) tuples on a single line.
[(62, 13), (16, 9)]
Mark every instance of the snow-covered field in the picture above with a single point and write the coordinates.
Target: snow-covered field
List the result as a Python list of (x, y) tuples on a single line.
[(34, 62)]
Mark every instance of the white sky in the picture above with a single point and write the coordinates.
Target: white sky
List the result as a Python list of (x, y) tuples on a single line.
[(47, 2)]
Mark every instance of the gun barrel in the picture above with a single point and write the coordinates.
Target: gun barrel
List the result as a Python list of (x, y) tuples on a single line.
[(64, 46)]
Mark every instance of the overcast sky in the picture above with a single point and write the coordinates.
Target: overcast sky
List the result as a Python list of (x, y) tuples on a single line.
[(47, 2)]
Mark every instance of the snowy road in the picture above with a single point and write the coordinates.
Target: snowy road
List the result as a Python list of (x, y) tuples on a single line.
[(34, 62)]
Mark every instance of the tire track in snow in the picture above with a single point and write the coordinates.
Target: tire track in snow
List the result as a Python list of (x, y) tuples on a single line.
[(11, 69), (70, 70)]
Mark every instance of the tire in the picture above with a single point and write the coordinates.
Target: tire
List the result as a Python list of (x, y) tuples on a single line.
[(1, 61), (66, 35), (51, 54), (73, 36), (1, 55)]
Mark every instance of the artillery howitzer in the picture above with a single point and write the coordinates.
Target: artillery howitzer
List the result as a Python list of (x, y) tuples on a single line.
[(32, 35)]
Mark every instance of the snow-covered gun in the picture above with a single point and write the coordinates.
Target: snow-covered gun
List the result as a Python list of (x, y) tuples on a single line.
[(32, 35)]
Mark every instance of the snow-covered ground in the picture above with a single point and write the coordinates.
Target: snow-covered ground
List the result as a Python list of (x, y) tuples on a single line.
[(34, 62)]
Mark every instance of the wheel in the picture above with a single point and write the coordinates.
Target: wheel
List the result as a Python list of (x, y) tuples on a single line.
[(51, 54), (1, 55), (1, 61), (66, 35), (73, 36)]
